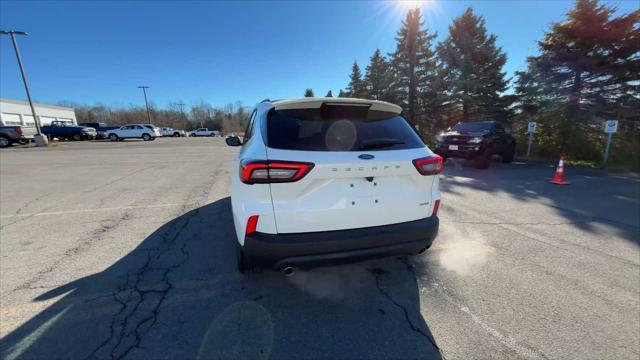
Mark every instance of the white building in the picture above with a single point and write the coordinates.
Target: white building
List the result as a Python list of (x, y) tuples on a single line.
[(18, 112)]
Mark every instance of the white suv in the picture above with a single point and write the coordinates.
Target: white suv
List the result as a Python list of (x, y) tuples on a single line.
[(322, 180), (134, 131)]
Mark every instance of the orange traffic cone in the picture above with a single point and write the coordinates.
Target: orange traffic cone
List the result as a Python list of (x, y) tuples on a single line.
[(558, 178)]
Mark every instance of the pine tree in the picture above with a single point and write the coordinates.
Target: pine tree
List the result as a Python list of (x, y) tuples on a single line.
[(329, 94), (590, 61), (586, 72), (308, 93), (356, 87), (413, 65), (342, 94), (472, 68), (378, 78)]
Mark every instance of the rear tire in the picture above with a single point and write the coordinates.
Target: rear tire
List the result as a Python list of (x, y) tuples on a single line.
[(76, 137), (175, 134), (146, 137), (507, 157), (484, 160), (4, 142), (244, 265)]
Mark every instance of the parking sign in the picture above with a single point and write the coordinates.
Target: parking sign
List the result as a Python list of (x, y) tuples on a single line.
[(532, 127), (611, 126)]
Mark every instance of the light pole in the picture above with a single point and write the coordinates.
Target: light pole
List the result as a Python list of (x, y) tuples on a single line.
[(144, 91), (184, 121), (39, 139)]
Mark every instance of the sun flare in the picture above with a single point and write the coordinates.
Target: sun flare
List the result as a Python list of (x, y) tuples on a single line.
[(409, 4)]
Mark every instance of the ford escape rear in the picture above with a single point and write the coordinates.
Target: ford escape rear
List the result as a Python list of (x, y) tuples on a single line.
[(322, 180)]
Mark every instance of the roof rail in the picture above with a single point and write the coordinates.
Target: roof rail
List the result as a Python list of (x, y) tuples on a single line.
[(265, 100)]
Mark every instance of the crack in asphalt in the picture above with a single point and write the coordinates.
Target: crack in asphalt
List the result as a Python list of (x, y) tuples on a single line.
[(133, 319), (95, 236), (377, 273)]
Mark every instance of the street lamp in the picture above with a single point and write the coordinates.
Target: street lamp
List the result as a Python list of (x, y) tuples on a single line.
[(39, 139), (144, 91), (184, 120)]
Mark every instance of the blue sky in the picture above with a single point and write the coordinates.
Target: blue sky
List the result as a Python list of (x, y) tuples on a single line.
[(221, 52)]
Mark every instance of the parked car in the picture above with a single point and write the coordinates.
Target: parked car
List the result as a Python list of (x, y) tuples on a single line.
[(330, 180), (101, 129), (166, 131), (134, 131), (204, 132), (68, 131), (10, 135), (478, 141)]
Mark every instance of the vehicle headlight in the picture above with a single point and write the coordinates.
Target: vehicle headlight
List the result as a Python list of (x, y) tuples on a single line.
[(475, 140), (440, 138)]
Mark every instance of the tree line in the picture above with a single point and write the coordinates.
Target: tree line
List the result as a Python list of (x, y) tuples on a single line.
[(587, 71), (229, 118)]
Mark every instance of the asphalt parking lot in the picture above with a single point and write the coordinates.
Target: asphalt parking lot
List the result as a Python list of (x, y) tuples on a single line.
[(126, 250)]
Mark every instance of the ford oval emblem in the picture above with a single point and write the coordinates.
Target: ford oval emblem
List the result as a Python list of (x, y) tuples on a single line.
[(366, 156)]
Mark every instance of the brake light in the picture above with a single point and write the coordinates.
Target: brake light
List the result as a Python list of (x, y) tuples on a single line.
[(436, 207), (431, 165), (273, 171), (252, 224), (19, 130)]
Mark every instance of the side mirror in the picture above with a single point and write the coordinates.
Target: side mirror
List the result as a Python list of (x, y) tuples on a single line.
[(233, 141)]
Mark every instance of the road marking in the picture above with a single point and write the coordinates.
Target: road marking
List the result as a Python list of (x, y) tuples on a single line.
[(507, 341), (18, 349), (66, 212)]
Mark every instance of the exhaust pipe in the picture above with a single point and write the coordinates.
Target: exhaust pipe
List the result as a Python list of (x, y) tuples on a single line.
[(288, 271)]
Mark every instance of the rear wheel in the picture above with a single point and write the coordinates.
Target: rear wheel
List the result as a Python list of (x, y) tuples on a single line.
[(507, 157), (113, 137), (244, 264), (484, 160), (146, 137), (4, 142), (76, 137), (176, 134)]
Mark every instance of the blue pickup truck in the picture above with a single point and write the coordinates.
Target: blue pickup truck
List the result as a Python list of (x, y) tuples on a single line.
[(68, 131)]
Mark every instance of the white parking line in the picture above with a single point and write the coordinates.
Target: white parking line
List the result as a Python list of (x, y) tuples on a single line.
[(65, 212)]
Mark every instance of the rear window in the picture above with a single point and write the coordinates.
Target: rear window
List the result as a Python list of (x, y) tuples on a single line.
[(473, 127), (343, 129)]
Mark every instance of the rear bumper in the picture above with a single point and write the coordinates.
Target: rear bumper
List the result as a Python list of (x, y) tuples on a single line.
[(463, 152), (307, 249)]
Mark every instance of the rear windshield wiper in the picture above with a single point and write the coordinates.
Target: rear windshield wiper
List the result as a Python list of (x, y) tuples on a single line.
[(379, 143)]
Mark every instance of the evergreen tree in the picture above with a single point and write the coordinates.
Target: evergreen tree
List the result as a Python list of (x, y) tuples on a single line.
[(591, 61), (586, 72), (356, 87), (342, 94), (413, 65), (472, 68), (308, 93), (329, 94), (378, 78)]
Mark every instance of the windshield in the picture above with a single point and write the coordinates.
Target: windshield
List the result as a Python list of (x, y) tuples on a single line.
[(473, 127), (308, 131)]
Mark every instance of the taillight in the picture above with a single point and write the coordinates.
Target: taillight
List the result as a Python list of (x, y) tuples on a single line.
[(19, 130), (273, 171), (431, 165), (252, 224), (436, 207)]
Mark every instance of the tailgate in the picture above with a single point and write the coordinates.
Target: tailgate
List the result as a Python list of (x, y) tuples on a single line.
[(343, 191)]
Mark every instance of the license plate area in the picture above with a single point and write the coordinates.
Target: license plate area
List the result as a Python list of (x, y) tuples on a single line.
[(362, 193), (453, 147)]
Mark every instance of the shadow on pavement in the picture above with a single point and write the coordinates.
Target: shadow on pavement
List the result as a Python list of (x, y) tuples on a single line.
[(178, 295), (593, 197)]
